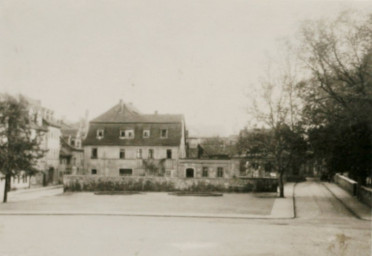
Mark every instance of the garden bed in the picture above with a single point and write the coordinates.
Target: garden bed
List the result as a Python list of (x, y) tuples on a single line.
[(187, 193), (116, 192)]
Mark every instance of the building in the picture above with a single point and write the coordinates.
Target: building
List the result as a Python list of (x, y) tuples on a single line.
[(211, 147), (42, 120), (123, 141), (71, 154)]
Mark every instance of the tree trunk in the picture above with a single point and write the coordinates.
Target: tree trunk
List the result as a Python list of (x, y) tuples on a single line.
[(6, 187), (281, 185)]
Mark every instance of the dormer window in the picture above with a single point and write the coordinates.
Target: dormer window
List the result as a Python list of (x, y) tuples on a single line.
[(100, 134), (146, 133), (163, 133), (127, 134)]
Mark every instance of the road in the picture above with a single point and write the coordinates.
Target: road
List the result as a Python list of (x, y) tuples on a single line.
[(322, 227)]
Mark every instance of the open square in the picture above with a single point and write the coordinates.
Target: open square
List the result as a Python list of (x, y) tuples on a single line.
[(148, 203)]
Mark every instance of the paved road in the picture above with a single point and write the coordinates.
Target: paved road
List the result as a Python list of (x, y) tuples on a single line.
[(323, 227)]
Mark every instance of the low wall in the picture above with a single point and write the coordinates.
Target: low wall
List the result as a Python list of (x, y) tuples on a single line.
[(365, 195), (347, 184), (153, 183)]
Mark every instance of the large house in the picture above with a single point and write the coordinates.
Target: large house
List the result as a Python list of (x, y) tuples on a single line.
[(42, 119), (123, 141)]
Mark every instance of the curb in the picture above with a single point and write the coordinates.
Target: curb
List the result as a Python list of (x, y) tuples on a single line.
[(354, 213), (247, 217)]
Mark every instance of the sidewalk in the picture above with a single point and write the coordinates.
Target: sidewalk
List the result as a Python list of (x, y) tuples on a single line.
[(34, 193), (359, 209), (283, 208)]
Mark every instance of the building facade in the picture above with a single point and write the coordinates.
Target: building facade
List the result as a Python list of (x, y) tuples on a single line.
[(72, 154), (123, 141), (43, 122)]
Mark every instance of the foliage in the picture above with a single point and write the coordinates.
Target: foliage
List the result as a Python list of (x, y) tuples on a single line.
[(120, 184), (337, 95), (19, 145), (154, 168)]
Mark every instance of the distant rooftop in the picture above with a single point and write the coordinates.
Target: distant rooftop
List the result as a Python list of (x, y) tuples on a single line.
[(127, 113)]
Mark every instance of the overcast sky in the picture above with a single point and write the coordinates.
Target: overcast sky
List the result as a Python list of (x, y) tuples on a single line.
[(194, 57)]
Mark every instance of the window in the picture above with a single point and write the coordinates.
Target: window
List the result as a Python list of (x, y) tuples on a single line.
[(169, 154), (164, 133), (99, 134), (205, 172), (146, 133), (151, 153), (219, 172), (139, 153), (189, 173), (127, 134), (122, 153), (94, 153), (24, 177), (72, 142), (125, 172), (94, 171), (122, 134)]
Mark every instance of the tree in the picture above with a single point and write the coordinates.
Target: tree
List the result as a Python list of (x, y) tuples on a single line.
[(337, 95), (276, 107), (19, 146)]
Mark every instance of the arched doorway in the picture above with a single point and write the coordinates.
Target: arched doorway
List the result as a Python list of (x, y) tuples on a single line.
[(189, 173)]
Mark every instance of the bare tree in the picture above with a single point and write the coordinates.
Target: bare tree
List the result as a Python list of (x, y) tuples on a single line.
[(276, 107)]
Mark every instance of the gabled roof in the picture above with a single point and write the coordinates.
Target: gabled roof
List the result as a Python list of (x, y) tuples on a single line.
[(51, 123), (112, 132), (126, 113), (124, 116), (67, 149)]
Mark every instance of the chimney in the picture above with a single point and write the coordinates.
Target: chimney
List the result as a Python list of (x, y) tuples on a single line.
[(156, 112)]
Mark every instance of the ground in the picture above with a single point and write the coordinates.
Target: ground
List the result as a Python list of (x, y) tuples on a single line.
[(323, 226), (161, 203)]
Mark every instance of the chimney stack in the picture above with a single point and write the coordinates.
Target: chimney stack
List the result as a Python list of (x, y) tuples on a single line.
[(156, 112)]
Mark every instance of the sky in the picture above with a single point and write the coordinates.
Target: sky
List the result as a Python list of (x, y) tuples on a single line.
[(200, 58)]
